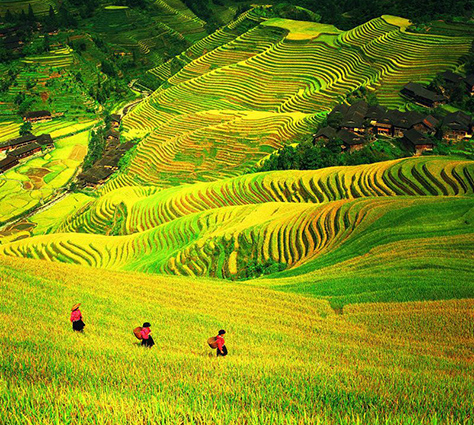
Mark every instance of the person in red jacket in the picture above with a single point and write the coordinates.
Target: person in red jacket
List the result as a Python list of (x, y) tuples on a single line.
[(221, 348), (76, 318), (147, 340)]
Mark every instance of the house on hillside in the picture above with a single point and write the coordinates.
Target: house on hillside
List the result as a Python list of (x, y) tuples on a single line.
[(469, 82), (418, 94), (427, 125), (18, 142), (350, 141), (38, 116), (7, 163), (451, 77), (354, 119), (112, 134), (324, 135), (46, 141), (457, 126), (418, 141), (25, 151), (115, 120), (95, 176)]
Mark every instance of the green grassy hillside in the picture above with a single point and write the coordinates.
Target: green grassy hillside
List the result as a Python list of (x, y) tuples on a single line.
[(293, 360)]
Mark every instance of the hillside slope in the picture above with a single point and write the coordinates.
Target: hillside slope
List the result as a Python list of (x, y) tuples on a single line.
[(292, 359), (250, 95)]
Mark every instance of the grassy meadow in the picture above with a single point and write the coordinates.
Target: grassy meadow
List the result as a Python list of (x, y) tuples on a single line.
[(292, 359)]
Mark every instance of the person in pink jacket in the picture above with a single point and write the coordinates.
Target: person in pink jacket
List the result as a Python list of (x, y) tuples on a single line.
[(147, 340), (76, 318)]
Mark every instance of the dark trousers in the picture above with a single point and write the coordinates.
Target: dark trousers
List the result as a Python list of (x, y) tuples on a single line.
[(148, 342), (78, 325), (224, 349)]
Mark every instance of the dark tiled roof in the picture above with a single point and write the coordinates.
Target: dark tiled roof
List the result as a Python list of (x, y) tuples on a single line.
[(20, 140), (355, 115), (457, 121), (45, 139), (328, 132), (25, 149), (376, 112), (37, 114), (416, 138), (349, 138), (116, 117), (8, 162), (470, 80), (417, 90), (125, 147), (451, 77), (431, 122), (95, 175)]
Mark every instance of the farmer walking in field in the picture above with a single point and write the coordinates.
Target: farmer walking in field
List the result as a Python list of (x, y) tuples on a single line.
[(221, 348), (76, 318), (147, 340)]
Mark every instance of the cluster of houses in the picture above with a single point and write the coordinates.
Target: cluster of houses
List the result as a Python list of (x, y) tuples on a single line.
[(109, 163), (355, 124), (23, 147), (419, 94)]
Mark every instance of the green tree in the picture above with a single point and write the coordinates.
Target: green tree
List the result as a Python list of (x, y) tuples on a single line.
[(25, 128)]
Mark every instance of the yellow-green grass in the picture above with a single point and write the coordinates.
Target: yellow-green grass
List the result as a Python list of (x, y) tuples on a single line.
[(57, 127), (299, 30), (38, 178), (292, 360), (51, 218)]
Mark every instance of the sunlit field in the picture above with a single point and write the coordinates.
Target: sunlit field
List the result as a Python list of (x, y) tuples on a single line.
[(292, 359)]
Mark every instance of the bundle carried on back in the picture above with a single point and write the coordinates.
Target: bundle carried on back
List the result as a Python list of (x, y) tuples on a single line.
[(138, 332), (212, 341)]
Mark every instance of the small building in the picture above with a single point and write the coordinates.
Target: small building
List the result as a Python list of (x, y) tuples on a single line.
[(350, 141), (38, 116), (112, 134), (115, 120), (451, 77), (337, 114), (7, 163), (95, 176), (46, 141), (427, 125), (18, 142), (456, 126), (419, 94), (469, 82), (25, 151), (382, 124), (324, 135), (417, 141), (354, 119)]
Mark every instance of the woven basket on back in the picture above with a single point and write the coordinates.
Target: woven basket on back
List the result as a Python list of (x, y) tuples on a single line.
[(138, 332), (212, 342)]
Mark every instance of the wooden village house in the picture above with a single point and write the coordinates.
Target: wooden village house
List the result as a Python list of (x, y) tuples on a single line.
[(7, 163), (418, 141), (38, 116)]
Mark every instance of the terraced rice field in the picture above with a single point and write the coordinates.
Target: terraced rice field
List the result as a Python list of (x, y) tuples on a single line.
[(59, 58), (40, 7), (304, 220), (252, 93)]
